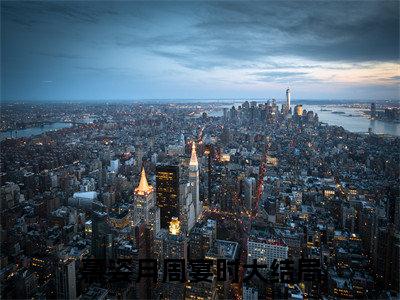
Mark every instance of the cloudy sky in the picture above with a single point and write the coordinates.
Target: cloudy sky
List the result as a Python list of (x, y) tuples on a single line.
[(191, 50)]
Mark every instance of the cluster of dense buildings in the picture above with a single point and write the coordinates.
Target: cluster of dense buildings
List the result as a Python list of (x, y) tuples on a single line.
[(391, 114), (165, 182)]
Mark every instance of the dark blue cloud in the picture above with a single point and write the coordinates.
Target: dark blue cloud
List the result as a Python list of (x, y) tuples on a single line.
[(63, 42)]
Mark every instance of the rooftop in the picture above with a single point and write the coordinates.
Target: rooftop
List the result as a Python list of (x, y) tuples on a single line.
[(144, 188), (86, 195), (223, 249)]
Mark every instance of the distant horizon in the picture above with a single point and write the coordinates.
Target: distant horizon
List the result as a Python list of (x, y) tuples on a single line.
[(193, 100)]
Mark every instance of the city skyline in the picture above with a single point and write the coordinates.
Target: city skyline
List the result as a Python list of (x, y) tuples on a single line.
[(199, 201), (190, 50)]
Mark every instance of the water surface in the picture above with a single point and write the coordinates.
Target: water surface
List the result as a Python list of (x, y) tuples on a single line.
[(29, 132)]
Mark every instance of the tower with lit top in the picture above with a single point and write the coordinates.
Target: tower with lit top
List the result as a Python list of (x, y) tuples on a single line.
[(171, 243), (195, 181), (174, 226), (144, 199)]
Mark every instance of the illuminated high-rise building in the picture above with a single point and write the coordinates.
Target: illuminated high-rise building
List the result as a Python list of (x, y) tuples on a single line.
[(146, 216), (187, 208), (298, 112), (144, 199), (167, 193), (171, 243), (174, 226), (195, 181), (288, 99)]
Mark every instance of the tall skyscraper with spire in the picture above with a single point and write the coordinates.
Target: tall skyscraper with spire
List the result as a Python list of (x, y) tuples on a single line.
[(146, 217), (195, 181), (144, 199), (288, 99)]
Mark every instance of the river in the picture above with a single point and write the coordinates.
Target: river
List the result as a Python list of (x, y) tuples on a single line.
[(28, 132), (353, 120)]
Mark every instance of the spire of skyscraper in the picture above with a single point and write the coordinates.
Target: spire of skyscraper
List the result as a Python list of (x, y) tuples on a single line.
[(195, 183), (144, 187), (193, 158)]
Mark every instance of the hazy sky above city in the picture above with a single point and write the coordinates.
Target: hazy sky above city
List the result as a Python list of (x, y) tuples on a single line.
[(188, 50)]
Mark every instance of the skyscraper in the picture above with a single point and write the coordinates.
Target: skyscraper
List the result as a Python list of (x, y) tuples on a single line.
[(299, 110), (167, 193), (101, 237), (172, 244), (66, 280), (288, 99), (195, 181), (298, 113), (144, 199)]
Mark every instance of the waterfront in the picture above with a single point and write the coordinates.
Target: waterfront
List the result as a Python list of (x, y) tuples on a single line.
[(351, 119), (29, 132)]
